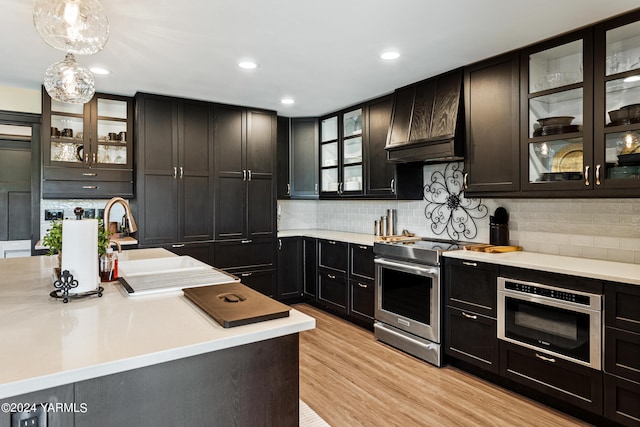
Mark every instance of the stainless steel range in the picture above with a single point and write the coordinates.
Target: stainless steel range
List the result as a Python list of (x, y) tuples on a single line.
[(408, 296)]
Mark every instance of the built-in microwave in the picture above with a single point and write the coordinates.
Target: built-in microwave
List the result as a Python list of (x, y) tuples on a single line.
[(558, 322)]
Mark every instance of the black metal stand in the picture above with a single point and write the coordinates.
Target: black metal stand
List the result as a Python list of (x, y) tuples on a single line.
[(65, 283)]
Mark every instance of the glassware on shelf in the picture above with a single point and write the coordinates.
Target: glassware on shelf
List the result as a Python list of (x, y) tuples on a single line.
[(329, 129)]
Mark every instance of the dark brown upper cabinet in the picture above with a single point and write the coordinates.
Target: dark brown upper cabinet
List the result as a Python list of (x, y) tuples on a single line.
[(491, 97), (87, 148), (298, 158), (426, 122)]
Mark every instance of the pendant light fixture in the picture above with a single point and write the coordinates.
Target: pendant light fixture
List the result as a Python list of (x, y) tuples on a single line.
[(78, 27)]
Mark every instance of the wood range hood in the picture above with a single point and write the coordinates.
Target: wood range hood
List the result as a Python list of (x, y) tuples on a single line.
[(427, 123)]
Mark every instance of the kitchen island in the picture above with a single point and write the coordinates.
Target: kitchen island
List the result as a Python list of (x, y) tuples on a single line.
[(151, 360)]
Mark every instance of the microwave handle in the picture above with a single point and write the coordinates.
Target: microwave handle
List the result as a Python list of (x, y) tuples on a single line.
[(407, 268)]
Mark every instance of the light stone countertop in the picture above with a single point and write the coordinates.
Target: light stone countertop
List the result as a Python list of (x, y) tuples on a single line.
[(573, 266), (356, 238), (46, 343)]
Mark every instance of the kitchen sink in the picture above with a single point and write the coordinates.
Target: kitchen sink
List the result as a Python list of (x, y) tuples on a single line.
[(160, 265)]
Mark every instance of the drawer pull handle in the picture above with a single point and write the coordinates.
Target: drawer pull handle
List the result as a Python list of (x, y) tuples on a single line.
[(362, 285), (331, 276), (470, 264), (246, 241), (89, 187), (546, 359), (89, 174), (331, 242), (470, 316), (364, 247), (246, 274), (178, 245)]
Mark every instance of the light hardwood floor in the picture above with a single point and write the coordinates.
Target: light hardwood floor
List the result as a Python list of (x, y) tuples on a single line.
[(350, 379)]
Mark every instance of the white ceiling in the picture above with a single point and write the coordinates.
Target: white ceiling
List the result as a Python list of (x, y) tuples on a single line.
[(324, 54)]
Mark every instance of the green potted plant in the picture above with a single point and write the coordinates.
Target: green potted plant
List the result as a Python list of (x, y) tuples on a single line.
[(53, 240)]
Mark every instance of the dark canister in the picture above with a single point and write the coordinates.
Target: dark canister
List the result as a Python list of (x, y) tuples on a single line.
[(499, 228)]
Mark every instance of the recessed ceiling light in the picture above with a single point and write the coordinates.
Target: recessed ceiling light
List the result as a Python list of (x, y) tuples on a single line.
[(287, 101), (390, 55), (98, 70), (247, 65)]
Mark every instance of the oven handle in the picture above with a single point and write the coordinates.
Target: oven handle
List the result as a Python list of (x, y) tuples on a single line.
[(407, 268)]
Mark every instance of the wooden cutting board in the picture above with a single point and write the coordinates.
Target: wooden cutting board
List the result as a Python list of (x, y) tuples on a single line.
[(492, 249), (399, 238), (234, 304)]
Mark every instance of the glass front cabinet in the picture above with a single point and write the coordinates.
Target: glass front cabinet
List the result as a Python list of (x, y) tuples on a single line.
[(341, 151), (87, 148), (580, 109)]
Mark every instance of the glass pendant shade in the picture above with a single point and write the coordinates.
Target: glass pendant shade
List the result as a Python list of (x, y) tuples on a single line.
[(68, 81), (77, 26)]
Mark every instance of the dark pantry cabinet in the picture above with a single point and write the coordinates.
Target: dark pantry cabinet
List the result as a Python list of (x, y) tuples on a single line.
[(175, 172)]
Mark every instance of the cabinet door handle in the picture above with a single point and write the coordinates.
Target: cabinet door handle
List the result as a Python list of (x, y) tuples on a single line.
[(393, 185), (470, 264), (363, 247), (598, 174), (465, 180), (246, 274), (175, 172), (89, 174), (362, 285), (316, 188), (470, 316), (178, 245), (331, 242), (94, 158), (89, 187), (86, 158), (249, 175), (341, 187), (246, 241), (586, 175), (331, 276), (244, 174), (288, 189), (279, 244), (546, 359), (181, 172)]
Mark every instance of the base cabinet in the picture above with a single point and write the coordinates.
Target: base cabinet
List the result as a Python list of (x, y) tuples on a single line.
[(310, 249), (557, 378), (622, 400), (200, 251), (332, 291), (253, 261), (471, 337), (361, 300), (290, 269)]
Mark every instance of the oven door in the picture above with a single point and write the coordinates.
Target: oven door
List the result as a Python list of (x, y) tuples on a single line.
[(408, 297), (554, 327)]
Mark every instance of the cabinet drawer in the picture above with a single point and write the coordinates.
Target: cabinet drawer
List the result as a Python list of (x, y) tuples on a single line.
[(621, 399), (237, 256), (361, 262), (88, 175), (263, 281), (471, 286), (622, 306), (200, 251), (333, 255), (362, 300), (471, 337), (622, 353), (332, 291), (86, 190), (569, 382)]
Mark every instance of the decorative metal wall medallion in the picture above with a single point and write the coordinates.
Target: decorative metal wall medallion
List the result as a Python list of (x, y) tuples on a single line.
[(447, 209)]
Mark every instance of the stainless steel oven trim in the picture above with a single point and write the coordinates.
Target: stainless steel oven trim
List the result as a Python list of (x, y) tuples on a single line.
[(430, 332), (595, 319)]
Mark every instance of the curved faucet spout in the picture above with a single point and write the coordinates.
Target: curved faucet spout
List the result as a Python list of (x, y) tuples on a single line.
[(131, 227)]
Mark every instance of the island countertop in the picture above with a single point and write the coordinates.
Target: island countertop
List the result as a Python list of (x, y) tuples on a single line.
[(47, 343)]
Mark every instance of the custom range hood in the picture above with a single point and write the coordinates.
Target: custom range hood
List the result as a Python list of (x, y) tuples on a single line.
[(427, 124)]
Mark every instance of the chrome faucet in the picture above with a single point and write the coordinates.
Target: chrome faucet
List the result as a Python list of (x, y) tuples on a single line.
[(131, 224)]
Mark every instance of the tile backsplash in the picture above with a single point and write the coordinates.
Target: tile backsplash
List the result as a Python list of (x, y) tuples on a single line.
[(589, 228)]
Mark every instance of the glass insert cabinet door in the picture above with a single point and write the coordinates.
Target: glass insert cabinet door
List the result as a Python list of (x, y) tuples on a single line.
[(618, 126), (111, 125), (352, 151), (66, 136), (557, 126), (329, 155)]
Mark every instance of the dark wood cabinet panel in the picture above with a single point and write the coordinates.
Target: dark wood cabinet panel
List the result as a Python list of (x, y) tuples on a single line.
[(263, 281), (261, 207), (282, 170), (229, 136), (235, 255), (202, 251), (379, 173), (304, 157), (290, 268), (310, 268), (261, 139), (332, 291), (157, 124), (621, 400), (157, 213), (492, 131), (569, 382), (622, 353), (471, 286), (622, 306), (446, 105), (401, 115), (421, 119), (230, 207), (333, 255), (362, 300), (472, 337), (196, 208), (361, 265)]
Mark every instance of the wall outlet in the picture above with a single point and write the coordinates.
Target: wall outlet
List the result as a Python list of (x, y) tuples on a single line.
[(36, 418), (51, 215)]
